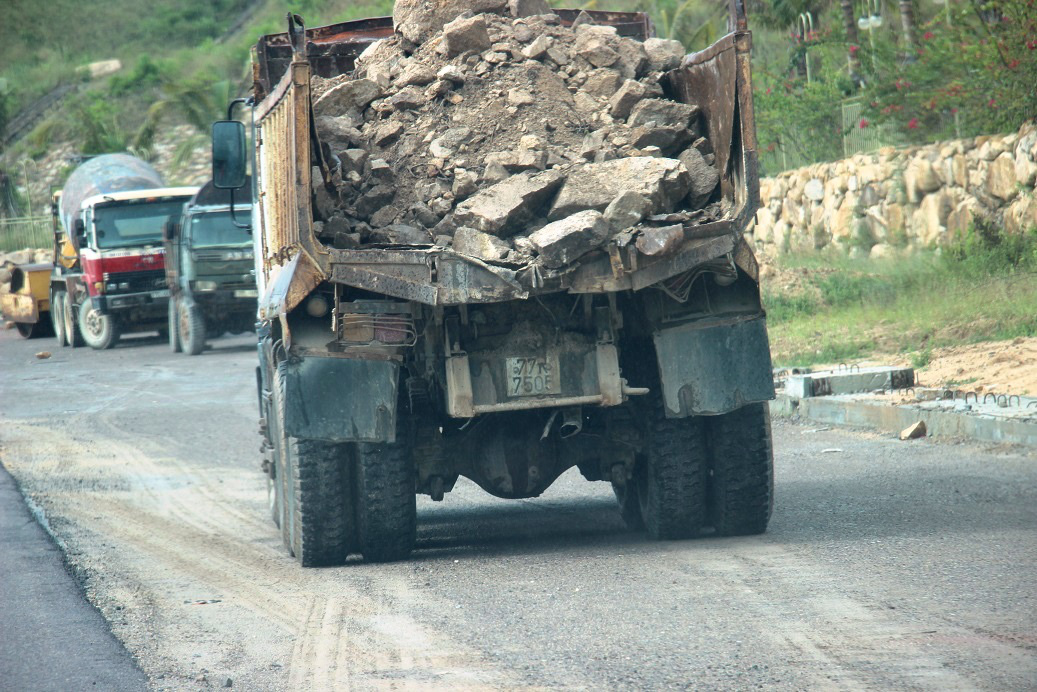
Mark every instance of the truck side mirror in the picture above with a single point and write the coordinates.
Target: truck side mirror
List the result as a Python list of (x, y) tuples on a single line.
[(169, 231), (228, 154), (79, 231)]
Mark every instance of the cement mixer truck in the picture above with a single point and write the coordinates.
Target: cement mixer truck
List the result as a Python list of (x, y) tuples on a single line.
[(108, 276)]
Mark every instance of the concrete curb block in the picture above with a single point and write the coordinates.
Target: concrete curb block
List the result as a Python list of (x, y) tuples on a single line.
[(895, 418)]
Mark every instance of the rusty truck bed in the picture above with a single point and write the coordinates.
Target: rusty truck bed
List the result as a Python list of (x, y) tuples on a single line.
[(716, 79)]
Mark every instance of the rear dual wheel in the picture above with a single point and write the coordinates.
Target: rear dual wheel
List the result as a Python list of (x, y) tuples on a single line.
[(172, 328), (701, 472), (334, 499), (57, 316)]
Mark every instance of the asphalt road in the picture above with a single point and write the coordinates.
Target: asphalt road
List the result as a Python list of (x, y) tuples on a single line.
[(888, 564)]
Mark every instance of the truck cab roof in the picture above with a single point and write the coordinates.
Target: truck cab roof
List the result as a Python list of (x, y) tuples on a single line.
[(138, 195)]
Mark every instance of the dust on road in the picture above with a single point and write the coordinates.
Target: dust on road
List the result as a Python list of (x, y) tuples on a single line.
[(887, 563)]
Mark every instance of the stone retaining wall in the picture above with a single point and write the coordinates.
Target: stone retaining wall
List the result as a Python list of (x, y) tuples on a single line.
[(897, 200)]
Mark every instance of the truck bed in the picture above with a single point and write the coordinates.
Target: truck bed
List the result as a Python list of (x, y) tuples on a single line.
[(716, 79)]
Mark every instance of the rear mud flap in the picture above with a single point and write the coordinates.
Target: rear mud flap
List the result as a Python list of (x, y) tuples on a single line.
[(710, 368), (341, 399)]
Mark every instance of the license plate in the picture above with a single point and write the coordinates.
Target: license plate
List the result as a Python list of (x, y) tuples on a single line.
[(160, 294), (532, 376), (246, 293)]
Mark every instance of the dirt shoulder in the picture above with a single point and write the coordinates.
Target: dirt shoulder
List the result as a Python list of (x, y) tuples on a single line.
[(1004, 367)]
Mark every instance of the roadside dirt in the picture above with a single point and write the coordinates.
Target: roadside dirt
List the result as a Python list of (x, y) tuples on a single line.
[(1002, 367)]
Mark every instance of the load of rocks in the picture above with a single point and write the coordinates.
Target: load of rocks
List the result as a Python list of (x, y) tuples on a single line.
[(491, 128)]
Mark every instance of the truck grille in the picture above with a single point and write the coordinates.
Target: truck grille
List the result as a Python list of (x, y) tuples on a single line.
[(139, 281)]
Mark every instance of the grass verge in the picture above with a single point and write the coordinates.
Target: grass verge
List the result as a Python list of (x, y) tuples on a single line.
[(840, 310)]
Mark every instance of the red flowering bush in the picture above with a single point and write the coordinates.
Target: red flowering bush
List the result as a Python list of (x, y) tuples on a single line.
[(982, 68)]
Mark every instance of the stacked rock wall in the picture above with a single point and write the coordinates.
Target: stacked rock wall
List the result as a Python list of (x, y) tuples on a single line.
[(902, 199)]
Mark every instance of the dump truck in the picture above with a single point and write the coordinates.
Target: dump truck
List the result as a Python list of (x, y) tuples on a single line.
[(389, 368), (108, 274), (210, 271), (27, 305)]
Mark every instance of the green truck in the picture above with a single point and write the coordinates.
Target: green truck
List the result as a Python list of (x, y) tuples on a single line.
[(209, 270)]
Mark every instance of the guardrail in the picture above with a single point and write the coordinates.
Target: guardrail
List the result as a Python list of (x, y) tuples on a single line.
[(25, 232)]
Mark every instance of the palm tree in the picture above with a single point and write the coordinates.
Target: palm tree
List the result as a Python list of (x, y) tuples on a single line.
[(850, 25), (197, 101), (907, 22)]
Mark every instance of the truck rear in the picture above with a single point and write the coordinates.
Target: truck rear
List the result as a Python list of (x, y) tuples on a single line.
[(108, 276), (518, 335)]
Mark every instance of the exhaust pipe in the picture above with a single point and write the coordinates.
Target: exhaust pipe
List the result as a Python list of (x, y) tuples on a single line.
[(572, 422)]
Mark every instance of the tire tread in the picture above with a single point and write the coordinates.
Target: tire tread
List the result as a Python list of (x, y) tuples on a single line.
[(386, 503), (742, 483)]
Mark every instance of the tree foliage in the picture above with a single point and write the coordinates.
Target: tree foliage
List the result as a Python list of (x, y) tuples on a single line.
[(976, 75)]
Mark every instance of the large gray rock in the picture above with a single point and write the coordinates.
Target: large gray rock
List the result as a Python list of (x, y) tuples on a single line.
[(538, 48), (564, 241), (663, 54), (407, 98), (401, 234), (503, 209), (602, 83), (416, 74), (664, 182), (624, 100), (469, 241), (446, 144), (340, 133), (419, 20), (465, 34), (596, 46), (347, 98), (627, 210), (633, 61), (662, 112), (373, 200), (704, 177), (20, 257), (662, 136)]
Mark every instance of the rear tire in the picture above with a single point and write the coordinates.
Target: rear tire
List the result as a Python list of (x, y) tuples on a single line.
[(192, 329), (57, 317), (323, 527), (173, 327), (386, 502), (312, 488), (68, 311), (670, 478), (99, 331), (741, 487)]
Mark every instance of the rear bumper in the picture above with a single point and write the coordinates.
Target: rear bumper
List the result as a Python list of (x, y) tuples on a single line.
[(107, 304)]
